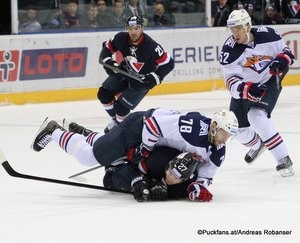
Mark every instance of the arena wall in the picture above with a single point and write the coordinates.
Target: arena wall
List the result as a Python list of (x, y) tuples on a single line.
[(64, 66)]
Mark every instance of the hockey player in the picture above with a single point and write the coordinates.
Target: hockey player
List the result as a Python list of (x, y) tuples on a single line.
[(169, 174), (254, 61), (143, 57), (188, 132)]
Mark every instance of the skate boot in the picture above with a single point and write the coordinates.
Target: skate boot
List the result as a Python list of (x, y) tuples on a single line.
[(111, 125), (285, 167), (252, 154), (44, 135), (74, 127)]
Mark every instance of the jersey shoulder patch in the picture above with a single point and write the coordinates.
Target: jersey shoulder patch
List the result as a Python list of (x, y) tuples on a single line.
[(231, 51), (264, 34)]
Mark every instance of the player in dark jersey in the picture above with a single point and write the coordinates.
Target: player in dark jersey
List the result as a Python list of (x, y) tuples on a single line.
[(169, 174), (143, 57), (189, 132), (255, 60)]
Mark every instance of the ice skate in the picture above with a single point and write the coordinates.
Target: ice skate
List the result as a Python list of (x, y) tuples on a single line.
[(44, 134), (74, 127), (111, 125), (253, 154), (285, 167)]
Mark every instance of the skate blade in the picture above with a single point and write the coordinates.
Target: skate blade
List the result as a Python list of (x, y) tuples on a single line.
[(286, 172), (44, 124), (65, 124)]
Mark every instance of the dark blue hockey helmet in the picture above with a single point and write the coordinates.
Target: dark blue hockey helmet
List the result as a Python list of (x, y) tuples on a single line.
[(183, 165), (134, 20)]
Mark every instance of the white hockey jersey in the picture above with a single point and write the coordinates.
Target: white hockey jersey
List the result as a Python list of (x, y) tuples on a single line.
[(250, 63), (187, 133)]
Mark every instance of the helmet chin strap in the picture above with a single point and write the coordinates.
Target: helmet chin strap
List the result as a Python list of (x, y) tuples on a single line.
[(248, 35), (213, 134)]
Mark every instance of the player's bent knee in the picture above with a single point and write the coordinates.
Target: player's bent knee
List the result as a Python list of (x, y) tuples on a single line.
[(257, 116), (120, 109), (105, 96)]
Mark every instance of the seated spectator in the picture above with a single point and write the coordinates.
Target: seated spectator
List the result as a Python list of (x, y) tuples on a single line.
[(104, 15), (220, 13), (271, 16), (71, 16), (30, 23), (161, 17), (250, 9), (118, 16), (187, 6), (55, 21), (90, 19), (133, 8)]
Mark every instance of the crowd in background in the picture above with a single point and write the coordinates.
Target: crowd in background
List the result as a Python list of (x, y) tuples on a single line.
[(103, 14), (262, 12), (49, 15)]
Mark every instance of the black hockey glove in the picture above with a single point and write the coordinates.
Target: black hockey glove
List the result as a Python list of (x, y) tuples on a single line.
[(159, 192), (252, 91), (150, 80), (140, 189), (281, 62), (112, 63)]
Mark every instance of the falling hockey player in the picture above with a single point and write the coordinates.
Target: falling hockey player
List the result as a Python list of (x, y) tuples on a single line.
[(254, 61), (187, 132)]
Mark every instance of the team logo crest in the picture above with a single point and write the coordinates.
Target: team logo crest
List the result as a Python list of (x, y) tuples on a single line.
[(258, 62), (294, 7), (203, 128), (134, 64)]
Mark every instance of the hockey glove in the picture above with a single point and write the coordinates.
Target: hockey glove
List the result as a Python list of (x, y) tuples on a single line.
[(197, 192), (140, 189), (112, 63), (150, 80), (281, 62), (252, 91), (159, 192)]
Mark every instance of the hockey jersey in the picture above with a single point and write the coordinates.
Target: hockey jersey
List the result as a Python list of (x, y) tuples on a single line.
[(250, 63), (187, 133), (145, 57)]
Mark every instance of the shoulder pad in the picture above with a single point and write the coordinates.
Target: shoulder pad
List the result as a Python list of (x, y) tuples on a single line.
[(231, 51), (264, 34)]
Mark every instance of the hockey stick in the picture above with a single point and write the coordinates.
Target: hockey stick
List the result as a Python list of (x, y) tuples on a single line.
[(14, 173), (117, 70), (116, 162)]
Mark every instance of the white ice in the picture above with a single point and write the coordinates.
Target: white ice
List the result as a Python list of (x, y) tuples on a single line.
[(246, 197)]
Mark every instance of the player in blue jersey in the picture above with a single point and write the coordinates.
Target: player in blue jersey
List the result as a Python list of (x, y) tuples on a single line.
[(254, 61), (143, 57), (189, 132)]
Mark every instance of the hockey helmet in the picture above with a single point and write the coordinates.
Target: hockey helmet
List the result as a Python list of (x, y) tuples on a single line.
[(183, 165), (238, 17), (134, 20), (226, 120)]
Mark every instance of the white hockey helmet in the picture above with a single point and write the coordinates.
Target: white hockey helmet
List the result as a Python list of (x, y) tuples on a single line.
[(239, 17), (226, 120)]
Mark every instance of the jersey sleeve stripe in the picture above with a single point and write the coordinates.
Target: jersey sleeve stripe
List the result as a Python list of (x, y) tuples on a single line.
[(231, 81), (164, 59), (152, 127), (109, 46)]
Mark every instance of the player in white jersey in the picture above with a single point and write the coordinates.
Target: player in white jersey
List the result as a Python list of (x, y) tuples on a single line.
[(189, 132), (254, 61)]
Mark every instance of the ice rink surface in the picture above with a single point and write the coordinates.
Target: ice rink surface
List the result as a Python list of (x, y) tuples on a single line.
[(250, 198)]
